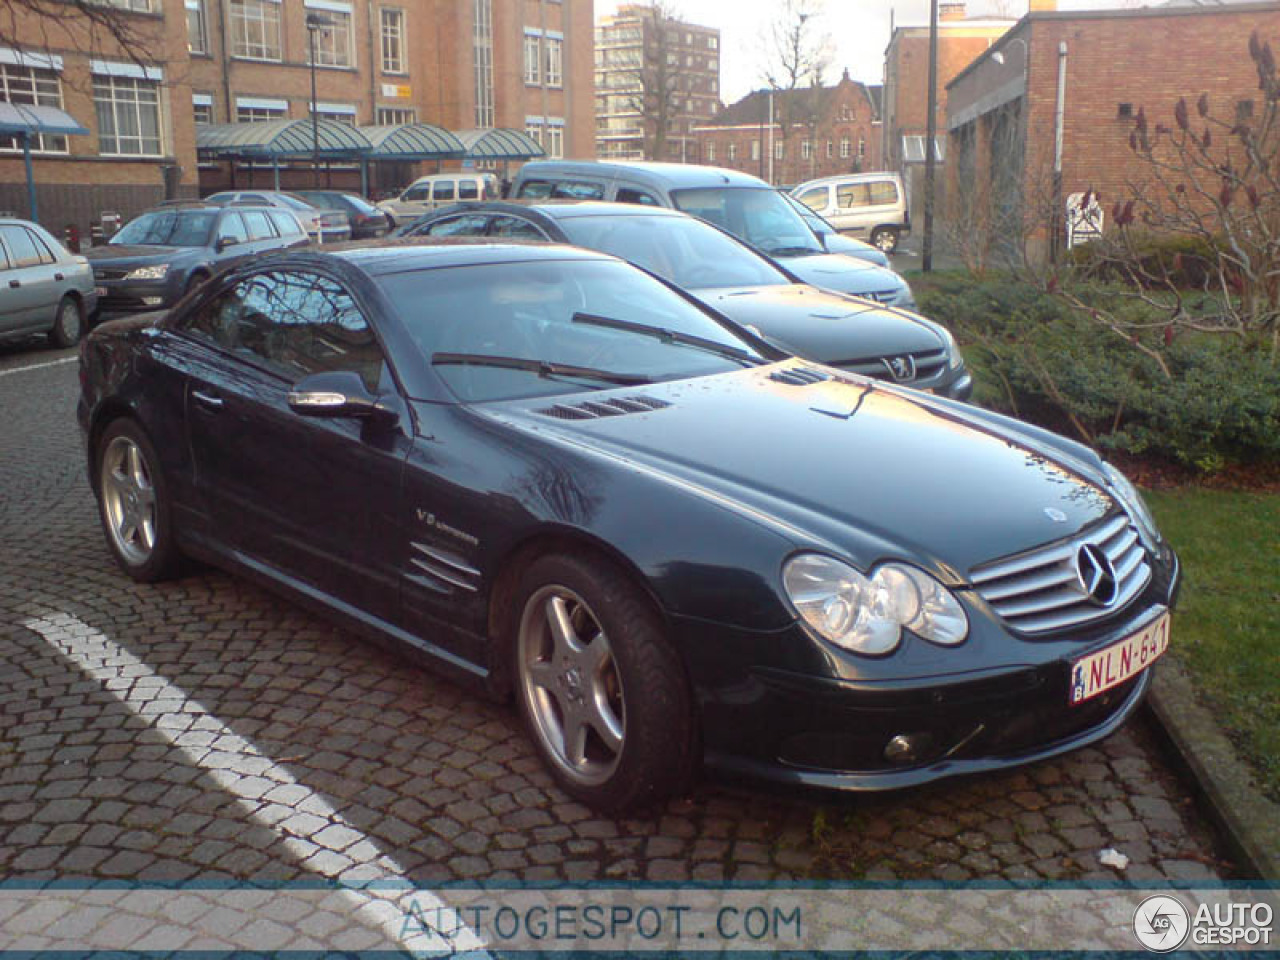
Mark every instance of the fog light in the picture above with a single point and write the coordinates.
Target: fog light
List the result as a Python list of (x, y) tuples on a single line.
[(906, 748), (153, 301)]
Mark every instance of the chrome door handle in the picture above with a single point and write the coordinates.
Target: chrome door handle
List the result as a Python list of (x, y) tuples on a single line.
[(207, 399)]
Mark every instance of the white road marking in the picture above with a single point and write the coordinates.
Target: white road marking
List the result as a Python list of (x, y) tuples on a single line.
[(270, 795), (38, 366)]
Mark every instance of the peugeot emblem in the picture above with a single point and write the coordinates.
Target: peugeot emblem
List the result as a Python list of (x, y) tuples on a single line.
[(901, 368), (1096, 576)]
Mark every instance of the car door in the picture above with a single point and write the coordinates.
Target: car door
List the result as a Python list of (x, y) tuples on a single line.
[(309, 498), (232, 239), (30, 280), (11, 319), (262, 235)]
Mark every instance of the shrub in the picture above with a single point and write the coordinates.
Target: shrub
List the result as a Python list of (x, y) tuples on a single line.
[(1190, 263), (1036, 358)]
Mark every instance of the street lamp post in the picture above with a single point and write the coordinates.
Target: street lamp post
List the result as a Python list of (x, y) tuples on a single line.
[(931, 133), (315, 23)]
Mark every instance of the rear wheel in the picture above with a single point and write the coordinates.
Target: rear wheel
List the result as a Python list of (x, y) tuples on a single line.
[(68, 323), (133, 504), (886, 238), (603, 694)]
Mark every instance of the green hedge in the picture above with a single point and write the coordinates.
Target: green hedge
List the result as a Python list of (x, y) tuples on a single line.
[(1035, 357), (1190, 262)]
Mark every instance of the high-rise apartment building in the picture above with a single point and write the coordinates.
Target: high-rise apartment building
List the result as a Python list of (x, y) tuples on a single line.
[(656, 79)]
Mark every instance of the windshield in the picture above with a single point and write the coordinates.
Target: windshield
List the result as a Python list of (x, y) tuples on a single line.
[(815, 222), (688, 253), (338, 201), (295, 202), (510, 330), (168, 228), (756, 214)]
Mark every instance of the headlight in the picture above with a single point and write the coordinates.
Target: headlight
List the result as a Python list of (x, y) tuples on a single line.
[(906, 299), (154, 272), (1133, 503), (867, 614), (954, 358)]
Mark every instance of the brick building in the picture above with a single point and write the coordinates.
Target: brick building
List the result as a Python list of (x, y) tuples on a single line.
[(906, 86), (814, 133), (642, 58), (460, 64), (1002, 109)]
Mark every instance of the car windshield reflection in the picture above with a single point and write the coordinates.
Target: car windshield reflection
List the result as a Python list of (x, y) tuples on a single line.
[(756, 214), (168, 228)]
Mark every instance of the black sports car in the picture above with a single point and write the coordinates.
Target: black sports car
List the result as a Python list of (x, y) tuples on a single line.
[(565, 480)]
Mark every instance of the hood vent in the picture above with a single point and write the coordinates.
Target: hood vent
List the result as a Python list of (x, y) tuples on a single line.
[(596, 409), (799, 376)]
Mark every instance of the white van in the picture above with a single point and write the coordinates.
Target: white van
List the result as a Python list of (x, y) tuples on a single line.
[(438, 190), (868, 205)]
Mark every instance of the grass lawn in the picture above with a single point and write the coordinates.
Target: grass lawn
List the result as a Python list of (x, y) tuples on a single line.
[(1227, 628)]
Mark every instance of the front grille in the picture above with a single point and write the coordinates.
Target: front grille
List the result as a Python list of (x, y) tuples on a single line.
[(928, 364), (595, 409), (881, 296), (1039, 591)]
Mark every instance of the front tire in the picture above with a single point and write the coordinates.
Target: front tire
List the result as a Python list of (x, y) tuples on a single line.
[(68, 323), (603, 694), (133, 504), (886, 238)]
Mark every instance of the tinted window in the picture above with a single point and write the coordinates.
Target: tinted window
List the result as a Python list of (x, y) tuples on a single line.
[(417, 192), (174, 228), (578, 190), (516, 227), (758, 215), (467, 190), (22, 247), (293, 323), (231, 227), (688, 253), (535, 189), (815, 198), (286, 224), (636, 196), (443, 190), (541, 312), (472, 225), (258, 224)]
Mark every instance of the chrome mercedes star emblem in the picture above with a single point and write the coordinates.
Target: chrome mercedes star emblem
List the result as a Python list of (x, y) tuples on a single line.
[(1095, 575)]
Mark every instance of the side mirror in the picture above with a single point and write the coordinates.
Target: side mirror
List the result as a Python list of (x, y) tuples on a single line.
[(223, 242), (338, 393)]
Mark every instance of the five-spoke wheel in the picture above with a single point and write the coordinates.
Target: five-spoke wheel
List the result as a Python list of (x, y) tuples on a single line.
[(132, 503)]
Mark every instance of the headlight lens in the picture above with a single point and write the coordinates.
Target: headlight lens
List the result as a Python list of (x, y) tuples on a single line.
[(867, 614), (906, 299), (153, 272), (1132, 501), (954, 358)]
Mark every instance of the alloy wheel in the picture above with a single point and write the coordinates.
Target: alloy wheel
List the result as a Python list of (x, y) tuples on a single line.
[(129, 500)]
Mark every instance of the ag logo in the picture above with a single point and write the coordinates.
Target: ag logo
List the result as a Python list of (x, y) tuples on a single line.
[(1161, 923)]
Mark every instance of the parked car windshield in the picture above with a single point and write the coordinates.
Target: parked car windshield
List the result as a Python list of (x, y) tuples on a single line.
[(168, 228), (690, 254), (338, 201), (756, 214), (504, 331)]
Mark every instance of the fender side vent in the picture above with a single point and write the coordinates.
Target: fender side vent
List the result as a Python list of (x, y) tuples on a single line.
[(799, 376), (595, 409)]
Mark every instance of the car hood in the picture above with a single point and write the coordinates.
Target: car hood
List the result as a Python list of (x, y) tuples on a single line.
[(122, 254), (838, 271), (867, 471), (822, 326)]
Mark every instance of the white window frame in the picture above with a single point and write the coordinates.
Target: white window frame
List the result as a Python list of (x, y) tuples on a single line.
[(262, 16), (845, 148), (391, 33), (335, 45), (482, 59), (553, 60), (196, 8), (806, 149), (554, 142), (394, 116), (44, 87), (118, 107), (532, 58)]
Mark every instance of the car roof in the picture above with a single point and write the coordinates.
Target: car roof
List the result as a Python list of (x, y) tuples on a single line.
[(674, 176), (847, 178), (379, 257), (558, 209)]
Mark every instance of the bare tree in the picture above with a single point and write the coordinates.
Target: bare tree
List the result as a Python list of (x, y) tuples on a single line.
[(85, 26), (656, 84), (796, 54)]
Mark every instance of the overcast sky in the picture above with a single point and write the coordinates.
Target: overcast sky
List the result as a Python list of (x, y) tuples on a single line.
[(859, 31)]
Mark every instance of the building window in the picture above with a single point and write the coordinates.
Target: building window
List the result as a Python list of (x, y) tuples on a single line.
[(136, 6), (37, 87), (202, 112), (862, 147), (392, 41), (532, 59), (482, 48), (554, 144), (128, 116), (733, 152), (333, 43), (711, 151), (806, 149), (555, 61), (394, 116), (779, 148), (336, 113), (844, 148), (1244, 110), (254, 111), (255, 29), (755, 149), (829, 150), (197, 39), (533, 130), (713, 43)]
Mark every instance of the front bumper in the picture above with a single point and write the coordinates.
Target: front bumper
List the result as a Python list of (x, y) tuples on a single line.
[(134, 296), (790, 726)]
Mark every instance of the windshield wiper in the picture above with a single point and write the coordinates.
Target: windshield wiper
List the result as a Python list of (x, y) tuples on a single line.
[(791, 251), (543, 368), (670, 336)]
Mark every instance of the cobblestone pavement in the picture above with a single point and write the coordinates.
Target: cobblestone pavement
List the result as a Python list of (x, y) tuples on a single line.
[(237, 737)]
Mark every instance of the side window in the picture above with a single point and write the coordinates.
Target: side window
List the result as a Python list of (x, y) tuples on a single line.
[(4, 258), (443, 190), (576, 190), (231, 227), (472, 225), (258, 224), (420, 191), (883, 191), (22, 247), (535, 189), (293, 323), (467, 190), (42, 248), (815, 198), (286, 225), (636, 196), (491, 190), (849, 195), (516, 227)]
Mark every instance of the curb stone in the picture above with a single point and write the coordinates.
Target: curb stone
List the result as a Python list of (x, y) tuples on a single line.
[(1249, 821)]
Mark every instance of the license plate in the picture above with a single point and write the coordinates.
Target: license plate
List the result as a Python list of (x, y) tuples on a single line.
[(100, 291), (1114, 664)]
